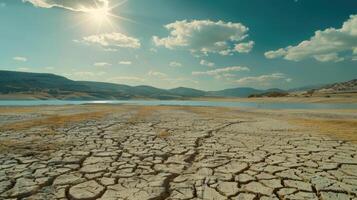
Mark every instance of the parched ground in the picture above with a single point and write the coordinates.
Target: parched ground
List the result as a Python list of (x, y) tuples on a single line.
[(156, 153)]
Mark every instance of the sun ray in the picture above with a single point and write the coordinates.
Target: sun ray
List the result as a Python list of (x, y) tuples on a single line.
[(103, 15), (118, 4), (122, 18)]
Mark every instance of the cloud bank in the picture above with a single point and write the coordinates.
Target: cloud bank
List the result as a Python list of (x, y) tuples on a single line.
[(125, 62), (329, 45), (20, 58), (73, 5), (112, 40), (221, 71), (102, 64), (157, 74), (245, 47), (175, 64), (204, 36), (263, 79), (207, 63)]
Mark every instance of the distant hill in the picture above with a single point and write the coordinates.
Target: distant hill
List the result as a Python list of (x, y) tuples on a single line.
[(127, 91), (58, 87), (269, 94), (51, 86), (342, 87), (241, 92), (235, 92), (45, 86), (307, 88), (188, 92), (22, 81)]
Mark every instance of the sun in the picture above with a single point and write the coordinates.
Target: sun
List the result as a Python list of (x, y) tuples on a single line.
[(99, 15), (102, 16)]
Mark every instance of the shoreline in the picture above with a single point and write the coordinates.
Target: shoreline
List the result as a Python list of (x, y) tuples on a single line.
[(215, 99), (350, 98), (317, 99)]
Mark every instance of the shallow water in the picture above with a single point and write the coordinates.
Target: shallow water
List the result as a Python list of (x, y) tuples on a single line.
[(260, 105)]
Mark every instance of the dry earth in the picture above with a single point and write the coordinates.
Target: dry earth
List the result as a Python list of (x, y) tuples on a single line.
[(126, 152)]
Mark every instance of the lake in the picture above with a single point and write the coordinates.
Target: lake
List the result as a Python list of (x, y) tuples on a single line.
[(259, 105)]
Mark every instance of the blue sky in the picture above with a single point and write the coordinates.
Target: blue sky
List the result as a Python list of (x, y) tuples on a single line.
[(204, 44)]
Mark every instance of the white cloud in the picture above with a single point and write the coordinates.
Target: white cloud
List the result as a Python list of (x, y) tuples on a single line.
[(110, 50), (207, 63), (102, 64), (112, 40), (354, 54), (328, 57), (19, 58), (289, 80), (227, 75), (275, 54), (263, 79), (49, 68), (203, 36), (220, 71), (24, 69), (85, 74), (354, 51), (73, 5), (127, 62), (326, 45), (153, 50), (157, 74), (179, 81), (175, 64), (245, 47)]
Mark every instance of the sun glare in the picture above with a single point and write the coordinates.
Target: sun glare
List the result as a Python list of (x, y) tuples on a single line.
[(103, 16), (99, 15)]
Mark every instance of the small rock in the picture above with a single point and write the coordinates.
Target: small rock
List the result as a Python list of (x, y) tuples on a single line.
[(228, 188), (86, 190), (334, 196), (298, 184), (244, 196), (211, 194), (259, 188)]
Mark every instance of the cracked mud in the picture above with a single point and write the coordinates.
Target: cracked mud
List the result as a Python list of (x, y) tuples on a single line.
[(179, 154)]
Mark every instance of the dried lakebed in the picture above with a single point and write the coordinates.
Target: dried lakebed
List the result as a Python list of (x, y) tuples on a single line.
[(173, 153)]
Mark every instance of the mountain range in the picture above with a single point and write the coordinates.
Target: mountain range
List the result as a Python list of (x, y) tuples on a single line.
[(50, 86)]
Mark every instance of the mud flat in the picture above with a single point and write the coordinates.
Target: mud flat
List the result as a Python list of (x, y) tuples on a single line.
[(112, 152)]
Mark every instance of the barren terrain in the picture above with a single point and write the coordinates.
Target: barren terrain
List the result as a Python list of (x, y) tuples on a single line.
[(112, 152)]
